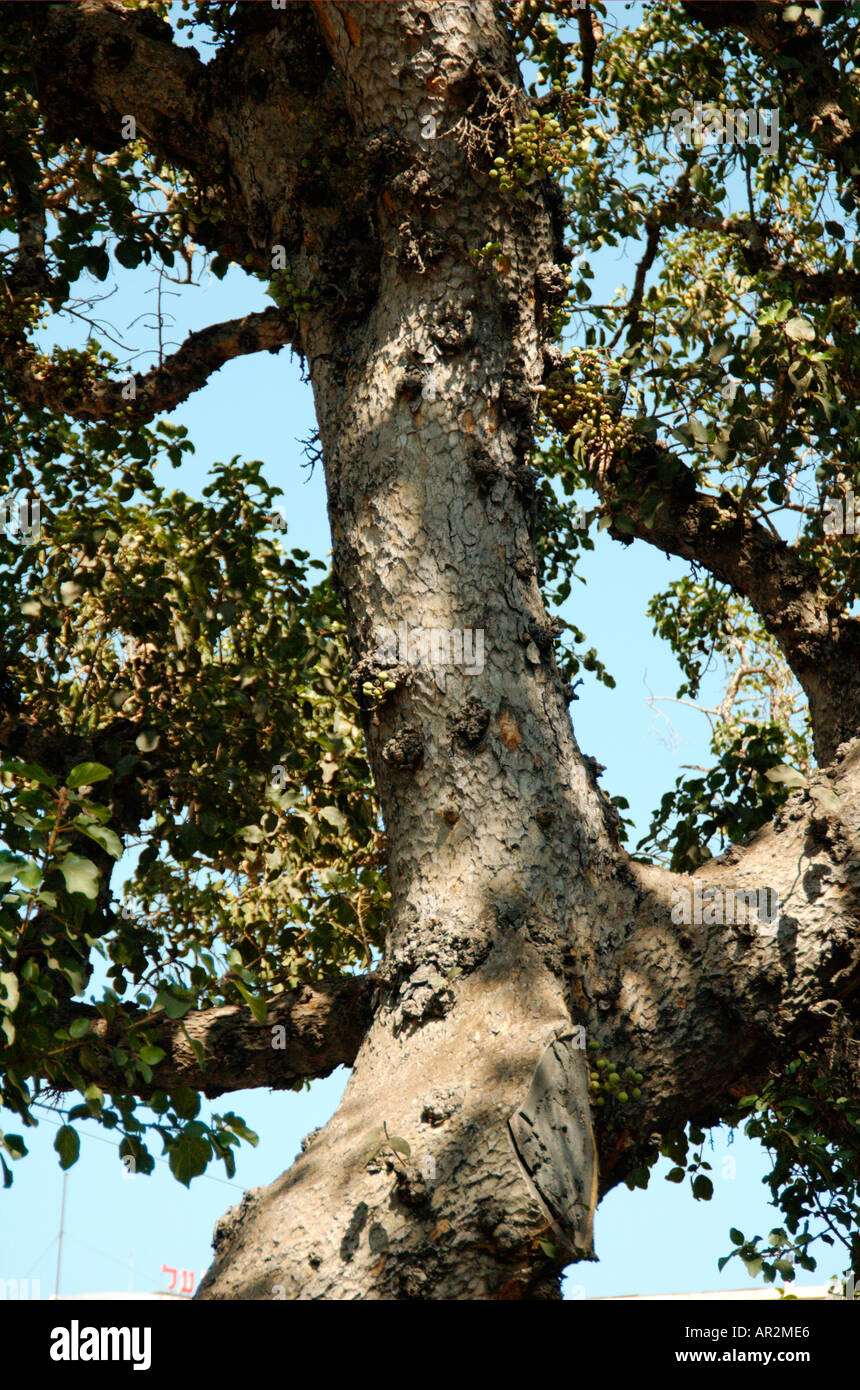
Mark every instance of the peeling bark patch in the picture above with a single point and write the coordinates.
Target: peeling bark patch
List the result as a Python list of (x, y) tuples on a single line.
[(377, 1238), (509, 730), (426, 995), (554, 1142), (228, 1224), (352, 28), (551, 282)]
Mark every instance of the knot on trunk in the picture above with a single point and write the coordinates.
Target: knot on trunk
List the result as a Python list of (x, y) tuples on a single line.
[(551, 283), (469, 726), (426, 994), (405, 750), (376, 677)]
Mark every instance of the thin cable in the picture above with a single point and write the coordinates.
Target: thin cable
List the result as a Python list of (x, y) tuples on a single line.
[(41, 1257)]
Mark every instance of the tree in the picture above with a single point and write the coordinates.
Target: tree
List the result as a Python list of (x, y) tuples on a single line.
[(549, 1010)]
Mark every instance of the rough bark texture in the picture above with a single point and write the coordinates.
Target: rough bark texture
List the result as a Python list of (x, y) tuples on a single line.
[(515, 916), (498, 841)]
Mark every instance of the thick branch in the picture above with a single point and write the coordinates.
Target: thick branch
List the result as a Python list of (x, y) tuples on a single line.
[(709, 1012), (43, 384), (811, 286), (814, 89), (820, 643), (99, 61), (323, 1026)]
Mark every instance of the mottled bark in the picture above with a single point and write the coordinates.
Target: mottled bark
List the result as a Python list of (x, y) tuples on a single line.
[(707, 1012), (498, 843)]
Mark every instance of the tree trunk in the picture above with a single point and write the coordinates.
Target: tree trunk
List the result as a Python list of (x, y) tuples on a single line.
[(499, 851)]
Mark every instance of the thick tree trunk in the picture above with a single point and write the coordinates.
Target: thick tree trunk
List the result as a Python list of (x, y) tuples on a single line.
[(499, 847), (515, 917)]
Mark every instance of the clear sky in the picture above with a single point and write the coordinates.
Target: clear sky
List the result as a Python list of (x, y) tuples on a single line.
[(121, 1232)]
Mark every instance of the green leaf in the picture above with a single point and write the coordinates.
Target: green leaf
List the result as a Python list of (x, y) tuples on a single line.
[(9, 983), (238, 1126), (79, 1027), (257, 1006), (94, 1095), (703, 1188), (30, 875), (676, 1175), (128, 253), (81, 876), (14, 1145), (107, 838), (31, 772), (400, 1146), (67, 1145), (152, 1055), (173, 1007), (736, 1236), (86, 773), (189, 1158), (10, 866), (186, 1102)]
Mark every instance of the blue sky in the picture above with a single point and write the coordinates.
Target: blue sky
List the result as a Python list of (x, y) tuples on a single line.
[(120, 1232)]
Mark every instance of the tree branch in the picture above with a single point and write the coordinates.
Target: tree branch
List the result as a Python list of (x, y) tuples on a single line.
[(709, 1012), (98, 61), (323, 1026), (812, 286), (42, 383), (819, 641), (812, 89)]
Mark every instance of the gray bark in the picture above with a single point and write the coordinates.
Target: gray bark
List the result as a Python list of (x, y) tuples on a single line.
[(498, 841)]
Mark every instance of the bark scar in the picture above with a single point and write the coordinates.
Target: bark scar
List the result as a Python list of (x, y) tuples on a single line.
[(553, 1139)]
